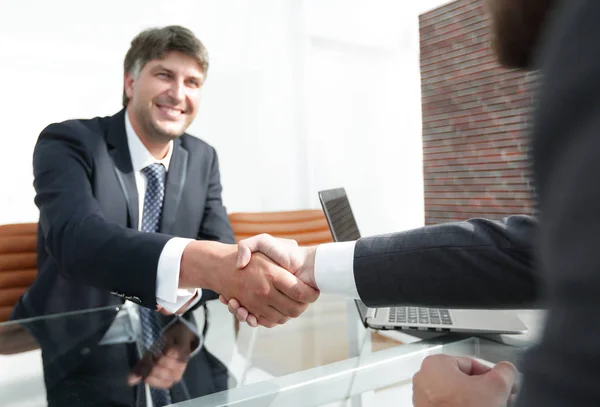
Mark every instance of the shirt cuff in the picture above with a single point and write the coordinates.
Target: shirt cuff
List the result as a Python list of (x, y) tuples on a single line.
[(168, 295), (334, 269)]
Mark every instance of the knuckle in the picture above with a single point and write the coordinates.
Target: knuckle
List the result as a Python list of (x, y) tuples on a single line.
[(261, 292)]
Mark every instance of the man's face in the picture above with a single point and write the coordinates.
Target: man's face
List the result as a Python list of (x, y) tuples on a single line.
[(164, 98), (516, 28)]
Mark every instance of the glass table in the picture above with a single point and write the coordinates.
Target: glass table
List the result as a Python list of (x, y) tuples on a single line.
[(324, 358)]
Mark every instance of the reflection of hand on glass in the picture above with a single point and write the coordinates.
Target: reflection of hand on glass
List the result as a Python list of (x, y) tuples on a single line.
[(287, 254), (463, 382), (163, 365), (181, 310)]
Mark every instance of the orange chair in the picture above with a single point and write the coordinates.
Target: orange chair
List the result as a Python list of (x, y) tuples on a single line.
[(18, 263), (18, 268), (308, 227)]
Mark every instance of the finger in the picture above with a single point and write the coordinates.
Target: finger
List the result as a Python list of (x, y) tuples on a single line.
[(265, 322), (294, 288), (274, 315), (223, 300), (285, 306), (173, 359), (233, 306), (470, 366), (502, 376), (165, 312), (174, 367), (142, 368), (252, 321), (160, 378), (242, 314), (133, 379), (279, 250)]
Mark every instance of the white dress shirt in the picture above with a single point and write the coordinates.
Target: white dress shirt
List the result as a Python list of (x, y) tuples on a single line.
[(168, 295), (334, 269)]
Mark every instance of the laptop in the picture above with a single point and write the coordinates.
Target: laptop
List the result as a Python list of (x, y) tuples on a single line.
[(343, 228)]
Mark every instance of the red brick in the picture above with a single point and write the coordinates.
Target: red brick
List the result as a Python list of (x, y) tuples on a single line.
[(475, 120)]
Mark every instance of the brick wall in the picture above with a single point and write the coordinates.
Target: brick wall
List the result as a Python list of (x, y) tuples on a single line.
[(475, 118)]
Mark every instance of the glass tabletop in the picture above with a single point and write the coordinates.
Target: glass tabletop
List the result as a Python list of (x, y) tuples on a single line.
[(323, 357)]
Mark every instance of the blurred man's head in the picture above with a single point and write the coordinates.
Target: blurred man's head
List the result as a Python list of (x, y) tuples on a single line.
[(516, 29), (164, 71)]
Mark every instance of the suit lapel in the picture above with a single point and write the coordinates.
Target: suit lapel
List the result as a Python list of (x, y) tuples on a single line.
[(174, 186), (119, 151)]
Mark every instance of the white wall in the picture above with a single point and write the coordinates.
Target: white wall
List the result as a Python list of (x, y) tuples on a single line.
[(301, 95)]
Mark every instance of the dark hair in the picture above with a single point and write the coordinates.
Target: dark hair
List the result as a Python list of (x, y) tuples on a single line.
[(155, 43), (517, 26)]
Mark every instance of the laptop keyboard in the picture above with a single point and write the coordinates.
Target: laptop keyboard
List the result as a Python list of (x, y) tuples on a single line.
[(416, 315)]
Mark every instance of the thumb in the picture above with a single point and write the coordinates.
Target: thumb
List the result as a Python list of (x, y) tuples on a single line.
[(244, 255), (246, 247), (502, 377)]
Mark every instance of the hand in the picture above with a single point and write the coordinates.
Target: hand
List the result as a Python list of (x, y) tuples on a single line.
[(285, 252), (458, 381), (268, 291), (297, 260), (163, 367)]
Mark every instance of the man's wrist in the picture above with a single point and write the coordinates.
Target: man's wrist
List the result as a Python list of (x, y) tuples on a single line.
[(308, 267), (202, 262)]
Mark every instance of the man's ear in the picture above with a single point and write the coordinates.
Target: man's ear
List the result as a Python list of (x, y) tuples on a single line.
[(128, 83)]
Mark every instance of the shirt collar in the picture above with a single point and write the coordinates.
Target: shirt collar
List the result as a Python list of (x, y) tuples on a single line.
[(140, 156)]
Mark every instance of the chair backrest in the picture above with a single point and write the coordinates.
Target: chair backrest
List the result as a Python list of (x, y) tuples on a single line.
[(307, 227), (18, 263)]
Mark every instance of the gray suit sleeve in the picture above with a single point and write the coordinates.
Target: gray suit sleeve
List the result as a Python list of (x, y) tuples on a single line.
[(478, 263)]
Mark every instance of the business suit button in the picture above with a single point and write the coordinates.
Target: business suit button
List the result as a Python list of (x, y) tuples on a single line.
[(85, 351)]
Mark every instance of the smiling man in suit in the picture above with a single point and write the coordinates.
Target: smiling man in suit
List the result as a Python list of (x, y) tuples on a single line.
[(130, 208)]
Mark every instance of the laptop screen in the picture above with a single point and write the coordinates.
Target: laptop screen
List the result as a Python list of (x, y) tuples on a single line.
[(339, 215)]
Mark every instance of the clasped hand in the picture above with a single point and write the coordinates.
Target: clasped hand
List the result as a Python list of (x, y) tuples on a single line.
[(297, 260)]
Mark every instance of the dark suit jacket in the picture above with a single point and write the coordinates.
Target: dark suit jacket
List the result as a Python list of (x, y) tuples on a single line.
[(494, 265), (472, 264), (90, 253)]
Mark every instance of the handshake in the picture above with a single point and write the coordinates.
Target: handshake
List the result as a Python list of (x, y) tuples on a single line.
[(266, 288)]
